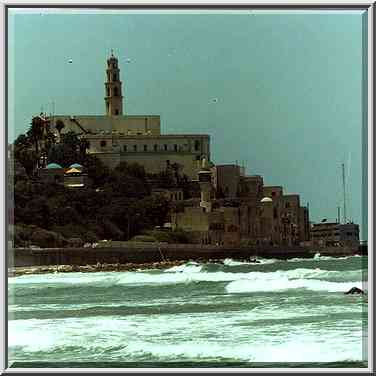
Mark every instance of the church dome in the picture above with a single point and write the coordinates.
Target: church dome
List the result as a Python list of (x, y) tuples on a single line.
[(266, 199), (53, 165)]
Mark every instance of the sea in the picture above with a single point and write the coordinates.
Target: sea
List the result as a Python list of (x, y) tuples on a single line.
[(230, 314)]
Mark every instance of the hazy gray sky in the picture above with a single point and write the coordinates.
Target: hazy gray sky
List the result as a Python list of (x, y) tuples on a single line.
[(288, 86)]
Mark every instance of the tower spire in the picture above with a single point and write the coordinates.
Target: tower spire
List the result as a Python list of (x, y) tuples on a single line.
[(113, 95)]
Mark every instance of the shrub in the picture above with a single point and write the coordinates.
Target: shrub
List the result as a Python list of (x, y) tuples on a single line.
[(46, 239), (144, 238), (161, 236), (75, 242), (180, 236)]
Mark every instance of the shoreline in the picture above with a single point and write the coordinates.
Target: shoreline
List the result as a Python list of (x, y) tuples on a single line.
[(45, 269), (117, 267)]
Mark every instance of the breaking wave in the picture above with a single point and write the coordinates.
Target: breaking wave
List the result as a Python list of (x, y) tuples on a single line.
[(329, 280), (282, 284), (137, 339), (260, 261)]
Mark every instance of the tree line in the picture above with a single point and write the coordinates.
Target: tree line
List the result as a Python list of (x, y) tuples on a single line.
[(117, 205)]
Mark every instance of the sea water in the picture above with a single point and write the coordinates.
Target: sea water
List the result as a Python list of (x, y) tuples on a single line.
[(231, 314)]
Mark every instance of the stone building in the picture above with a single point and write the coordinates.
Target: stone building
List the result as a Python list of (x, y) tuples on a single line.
[(335, 234), (226, 180), (209, 222), (117, 136)]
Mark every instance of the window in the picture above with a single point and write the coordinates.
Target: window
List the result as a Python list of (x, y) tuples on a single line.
[(125, 148), (116, 91), (134, 147), (176, 147), (103, 143), (197, 157), (273, 194), (116, 112), (114, 77), (108, 91), (197, 145), (155, 147), (287, 205), (145, 148), (165, 147)]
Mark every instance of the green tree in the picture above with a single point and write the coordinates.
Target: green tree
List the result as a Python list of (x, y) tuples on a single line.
[(24, 154), (35, 132)]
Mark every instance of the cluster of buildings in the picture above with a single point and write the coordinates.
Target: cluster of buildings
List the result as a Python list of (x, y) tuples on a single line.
[(231, 208)]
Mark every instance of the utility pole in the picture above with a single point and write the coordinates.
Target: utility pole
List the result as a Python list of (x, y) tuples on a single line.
[(344, 193)]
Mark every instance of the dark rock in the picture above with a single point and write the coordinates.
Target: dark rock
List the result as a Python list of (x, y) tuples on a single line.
[(354, 290)]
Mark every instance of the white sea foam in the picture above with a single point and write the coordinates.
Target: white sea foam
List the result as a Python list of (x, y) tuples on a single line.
[(190, 267), (283, 284), (185, 337), (319, 257), (183, 274), (231, 262)]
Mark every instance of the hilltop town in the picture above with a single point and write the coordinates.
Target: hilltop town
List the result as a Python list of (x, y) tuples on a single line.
[(79, 179)]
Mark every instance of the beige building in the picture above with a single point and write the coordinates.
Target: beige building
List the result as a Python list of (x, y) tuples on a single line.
[(171, 194), (227, 180), (287, 221), (206, 224), (117, 137), (335, 234)]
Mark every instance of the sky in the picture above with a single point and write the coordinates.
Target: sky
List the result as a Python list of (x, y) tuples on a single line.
[(280, 92)]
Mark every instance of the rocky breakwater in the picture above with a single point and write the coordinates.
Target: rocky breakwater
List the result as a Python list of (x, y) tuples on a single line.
[(42, 269)]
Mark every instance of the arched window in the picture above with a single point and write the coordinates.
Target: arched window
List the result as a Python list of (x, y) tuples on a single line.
[(108, 91), (116, 91), (114, 77), (116, 112)]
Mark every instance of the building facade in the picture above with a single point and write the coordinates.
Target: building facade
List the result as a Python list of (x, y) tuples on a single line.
[(335, 234), (117, 136)]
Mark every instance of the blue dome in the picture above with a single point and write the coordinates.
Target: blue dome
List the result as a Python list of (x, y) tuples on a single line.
[(75, 165), (53, 165)]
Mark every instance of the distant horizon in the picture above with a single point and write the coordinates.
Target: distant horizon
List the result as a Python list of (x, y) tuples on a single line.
[(288, 87)]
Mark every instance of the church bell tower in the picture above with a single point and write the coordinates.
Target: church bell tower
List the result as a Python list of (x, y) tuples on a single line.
[(114, 97)]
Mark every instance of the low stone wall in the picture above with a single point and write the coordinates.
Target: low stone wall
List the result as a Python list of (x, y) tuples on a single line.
[(138, 254)]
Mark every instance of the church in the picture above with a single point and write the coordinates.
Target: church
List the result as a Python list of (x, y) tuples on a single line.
[(233, 206), (116, 136)]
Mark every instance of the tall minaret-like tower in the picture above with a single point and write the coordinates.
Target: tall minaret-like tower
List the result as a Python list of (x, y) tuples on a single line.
[(204, 178), (113, 98)]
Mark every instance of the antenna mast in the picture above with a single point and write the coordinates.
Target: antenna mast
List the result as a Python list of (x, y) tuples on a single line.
[(344, 193)]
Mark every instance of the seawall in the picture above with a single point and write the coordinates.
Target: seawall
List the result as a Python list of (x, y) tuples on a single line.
[(151, 253)]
